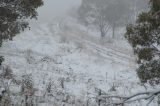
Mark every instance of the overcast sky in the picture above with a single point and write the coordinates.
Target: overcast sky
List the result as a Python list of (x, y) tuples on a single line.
[(53, 8)]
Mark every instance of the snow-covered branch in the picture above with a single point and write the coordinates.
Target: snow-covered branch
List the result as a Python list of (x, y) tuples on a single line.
[(117, 100)]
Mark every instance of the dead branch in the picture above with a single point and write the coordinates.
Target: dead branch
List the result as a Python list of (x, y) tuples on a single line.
[(149, 95)]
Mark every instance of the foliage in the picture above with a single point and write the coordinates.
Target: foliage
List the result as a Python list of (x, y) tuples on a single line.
[(144, 37), (13, 14)]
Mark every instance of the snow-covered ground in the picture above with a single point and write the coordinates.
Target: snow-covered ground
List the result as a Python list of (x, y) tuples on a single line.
[(76, 63)]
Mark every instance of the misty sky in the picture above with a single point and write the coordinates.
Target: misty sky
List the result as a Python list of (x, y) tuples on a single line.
[(53, 8)]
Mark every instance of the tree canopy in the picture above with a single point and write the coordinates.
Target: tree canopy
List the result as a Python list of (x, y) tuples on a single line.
[(144, 36), (13, 15)]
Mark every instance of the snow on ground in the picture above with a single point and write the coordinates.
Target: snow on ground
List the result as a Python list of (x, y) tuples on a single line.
[(67, 54)]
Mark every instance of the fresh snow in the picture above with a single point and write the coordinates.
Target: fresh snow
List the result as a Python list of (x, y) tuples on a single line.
[(66, 51)]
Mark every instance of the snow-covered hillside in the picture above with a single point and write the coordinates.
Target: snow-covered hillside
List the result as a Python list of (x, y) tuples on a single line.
[(75, 64)]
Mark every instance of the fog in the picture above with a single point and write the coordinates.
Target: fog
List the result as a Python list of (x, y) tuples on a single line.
[(54, 8)]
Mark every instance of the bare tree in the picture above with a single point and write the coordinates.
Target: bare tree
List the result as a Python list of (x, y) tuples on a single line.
[(92, 12), (106, 14)]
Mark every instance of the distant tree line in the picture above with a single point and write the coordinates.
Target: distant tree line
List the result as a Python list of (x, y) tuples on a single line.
[(107, 14)]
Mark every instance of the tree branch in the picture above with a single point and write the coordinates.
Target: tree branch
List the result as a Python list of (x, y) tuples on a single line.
[(135, 97)]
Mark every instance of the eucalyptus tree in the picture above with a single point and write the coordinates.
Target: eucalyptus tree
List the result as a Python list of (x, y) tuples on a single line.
[(13, 15), (144, 36)]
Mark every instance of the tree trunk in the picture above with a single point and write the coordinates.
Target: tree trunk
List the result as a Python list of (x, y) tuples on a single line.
[(102, 34), (113, 28), (1, 40), (99, 101), (102, 31)]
